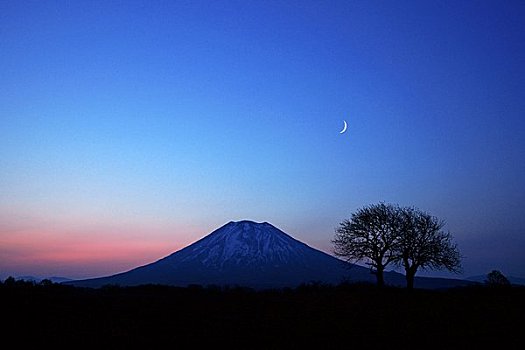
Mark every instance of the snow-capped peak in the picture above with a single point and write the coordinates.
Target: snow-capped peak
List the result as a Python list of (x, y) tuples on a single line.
[(245, 243)]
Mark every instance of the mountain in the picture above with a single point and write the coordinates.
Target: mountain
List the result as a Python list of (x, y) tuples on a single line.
[(250, 254)]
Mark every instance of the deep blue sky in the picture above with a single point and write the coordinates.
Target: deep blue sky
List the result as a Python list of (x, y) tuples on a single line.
[(139, 127)]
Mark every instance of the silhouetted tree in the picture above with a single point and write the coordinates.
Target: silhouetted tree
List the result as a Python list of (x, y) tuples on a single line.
[(496, 279), (46, 282), (422, 243), (370, 235), (10, 281)]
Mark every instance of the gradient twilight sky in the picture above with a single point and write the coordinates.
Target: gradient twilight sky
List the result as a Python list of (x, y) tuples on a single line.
[(131, 129)]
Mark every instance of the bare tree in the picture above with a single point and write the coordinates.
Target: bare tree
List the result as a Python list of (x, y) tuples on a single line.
[(370, 236), (422, 243)]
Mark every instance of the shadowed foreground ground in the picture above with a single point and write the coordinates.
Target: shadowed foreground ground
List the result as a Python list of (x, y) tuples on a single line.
[(321, 316)]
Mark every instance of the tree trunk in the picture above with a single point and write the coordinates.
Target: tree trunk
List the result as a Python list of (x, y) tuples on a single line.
[(410, 274), (380, 277)]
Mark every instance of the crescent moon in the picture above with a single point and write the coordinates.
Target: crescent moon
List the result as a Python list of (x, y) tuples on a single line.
[(344, 128)]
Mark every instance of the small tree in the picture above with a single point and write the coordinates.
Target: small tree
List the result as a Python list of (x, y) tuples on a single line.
[(10, 281), (46, 282), (422, 243), (496, 279), (370, 235)]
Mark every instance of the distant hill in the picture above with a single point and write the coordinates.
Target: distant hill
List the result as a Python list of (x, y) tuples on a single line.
[(53, 279), (482, 278), (256, 255)]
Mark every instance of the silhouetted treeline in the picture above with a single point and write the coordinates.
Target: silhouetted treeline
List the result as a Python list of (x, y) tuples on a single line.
[(313, 315)]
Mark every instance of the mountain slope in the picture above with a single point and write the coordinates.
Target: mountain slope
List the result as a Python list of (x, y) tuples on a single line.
[(241, 253), (249, 254)]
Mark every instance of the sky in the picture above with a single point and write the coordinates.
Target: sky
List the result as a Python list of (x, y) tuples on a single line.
[(130, 129)]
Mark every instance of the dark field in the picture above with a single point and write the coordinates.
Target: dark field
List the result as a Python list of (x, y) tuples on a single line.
[(315, 316)]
